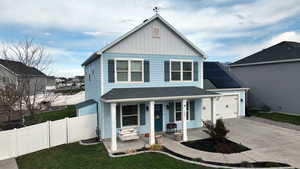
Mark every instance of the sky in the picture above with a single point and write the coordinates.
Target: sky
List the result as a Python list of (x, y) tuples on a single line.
[(71, 30)]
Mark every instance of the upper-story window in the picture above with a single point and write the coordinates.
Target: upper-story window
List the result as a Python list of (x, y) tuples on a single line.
[(181, 70), (129, 71)]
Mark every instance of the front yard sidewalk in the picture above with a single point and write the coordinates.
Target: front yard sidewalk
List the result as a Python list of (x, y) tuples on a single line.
[(8, 164)]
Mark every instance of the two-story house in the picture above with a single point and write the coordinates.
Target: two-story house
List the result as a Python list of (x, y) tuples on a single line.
[(150, 77)]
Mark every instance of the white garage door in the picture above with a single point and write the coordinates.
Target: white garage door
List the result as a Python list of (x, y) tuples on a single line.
[(226, 107)]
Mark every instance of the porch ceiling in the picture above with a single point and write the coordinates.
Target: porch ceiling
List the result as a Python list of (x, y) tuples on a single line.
[(155, 93)]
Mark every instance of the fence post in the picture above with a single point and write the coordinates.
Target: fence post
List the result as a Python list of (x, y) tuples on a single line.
[(16, 142), (67, 130), (49, 134)]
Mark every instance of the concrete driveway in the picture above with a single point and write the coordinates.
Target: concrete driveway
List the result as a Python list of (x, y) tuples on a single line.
[(267, 142)]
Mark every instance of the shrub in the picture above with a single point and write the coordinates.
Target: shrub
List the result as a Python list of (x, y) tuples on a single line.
[(156, 147), (216, 132)]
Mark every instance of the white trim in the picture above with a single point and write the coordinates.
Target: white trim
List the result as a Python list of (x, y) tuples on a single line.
[(9, 70), (101, 76), (267, 62), (200, 74), (121, 114), (152, 122), (113, 108), (228, 89), (159, 98), (129, 60), (181, 70)]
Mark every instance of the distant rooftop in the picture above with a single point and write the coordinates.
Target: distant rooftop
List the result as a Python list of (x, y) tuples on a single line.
[(284, 51), (20, 68)]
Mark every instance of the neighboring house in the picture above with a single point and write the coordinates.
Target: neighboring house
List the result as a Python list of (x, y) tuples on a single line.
[(51, 84), (152, 76), (273, 76), (12, 72)]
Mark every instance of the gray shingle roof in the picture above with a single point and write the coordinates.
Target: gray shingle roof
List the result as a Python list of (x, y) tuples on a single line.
[(20, 68), (282, 51), (85, 103), (154, 92)]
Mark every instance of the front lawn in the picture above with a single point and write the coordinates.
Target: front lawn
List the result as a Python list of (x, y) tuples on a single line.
[(278, 117), (70, 111), (76, 156)]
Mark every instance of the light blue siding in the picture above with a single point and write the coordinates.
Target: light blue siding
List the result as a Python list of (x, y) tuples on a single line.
[(156, 71), (93, 85), (106, 133), (90, 109)]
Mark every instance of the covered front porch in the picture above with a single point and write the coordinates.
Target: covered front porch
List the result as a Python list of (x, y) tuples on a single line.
[(143, 142), (146, 111)]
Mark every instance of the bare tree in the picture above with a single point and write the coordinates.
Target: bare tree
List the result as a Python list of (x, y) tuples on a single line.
[(9, 100), (32, 55)]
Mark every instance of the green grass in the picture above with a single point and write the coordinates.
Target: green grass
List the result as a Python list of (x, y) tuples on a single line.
[(75, 156), (70, 111), (278, 117), (68, 91)]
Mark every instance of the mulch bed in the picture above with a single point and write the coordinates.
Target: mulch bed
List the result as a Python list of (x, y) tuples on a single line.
[(226, 147), (262, 164), (90, 141)]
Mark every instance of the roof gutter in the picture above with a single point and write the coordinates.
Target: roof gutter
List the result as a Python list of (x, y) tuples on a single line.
[(228, 89), (158, 98), (263, 63)]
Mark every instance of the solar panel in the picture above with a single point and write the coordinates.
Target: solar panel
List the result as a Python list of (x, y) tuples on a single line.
[(218, 76)]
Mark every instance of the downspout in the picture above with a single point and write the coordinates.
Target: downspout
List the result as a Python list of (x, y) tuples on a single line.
[(98, 128)]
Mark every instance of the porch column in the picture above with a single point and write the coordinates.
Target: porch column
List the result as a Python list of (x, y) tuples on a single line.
[(152, 129), (113, 127), (213, 110), (183, 118)]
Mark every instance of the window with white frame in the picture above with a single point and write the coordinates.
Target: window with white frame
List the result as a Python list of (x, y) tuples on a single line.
[(178, 111), (129, 71), (181, 70), (130, 115)]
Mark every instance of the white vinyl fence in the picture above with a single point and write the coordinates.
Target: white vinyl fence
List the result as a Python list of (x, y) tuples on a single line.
[(17, 142)]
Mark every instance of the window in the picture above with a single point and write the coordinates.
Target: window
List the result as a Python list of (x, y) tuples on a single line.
[(122, 71), (129, 115), (178, 111), (181, 70), (187, 70), (176, 71), (136, 71), (129, 71)]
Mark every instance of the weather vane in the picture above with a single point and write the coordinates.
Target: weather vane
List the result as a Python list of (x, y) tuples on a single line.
[(156, 9)]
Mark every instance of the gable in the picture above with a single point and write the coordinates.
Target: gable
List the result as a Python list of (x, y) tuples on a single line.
[(154, 38)]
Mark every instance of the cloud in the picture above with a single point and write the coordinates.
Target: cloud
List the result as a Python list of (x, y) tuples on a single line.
[(246, 49), (97, 34)]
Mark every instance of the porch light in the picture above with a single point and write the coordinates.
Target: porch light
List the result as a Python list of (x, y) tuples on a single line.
[(242, 100), (167, 107), (147, 108)]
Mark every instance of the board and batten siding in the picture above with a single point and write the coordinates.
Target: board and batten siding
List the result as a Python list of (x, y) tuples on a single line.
[(156, 65), (142, 42)]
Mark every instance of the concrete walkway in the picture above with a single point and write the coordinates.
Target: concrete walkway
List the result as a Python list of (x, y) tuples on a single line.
[(277, 123), (267, 143), (8, 164)]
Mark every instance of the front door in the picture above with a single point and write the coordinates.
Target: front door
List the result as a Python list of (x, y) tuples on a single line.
[(158, 116)]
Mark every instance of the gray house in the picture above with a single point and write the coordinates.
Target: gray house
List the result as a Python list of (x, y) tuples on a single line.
[(273, 75), (13, 72)]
